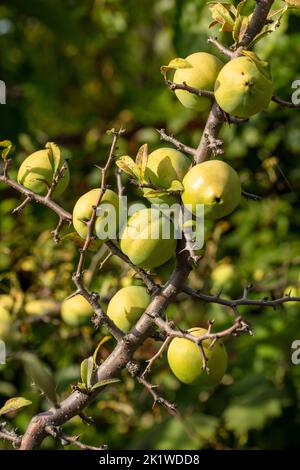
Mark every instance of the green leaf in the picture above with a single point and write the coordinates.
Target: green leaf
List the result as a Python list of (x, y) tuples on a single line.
[(221, 12), (14, 404), (293, 3), (97, 350), (243, 418), (254, 401), (228, 5), (141, 162), (54, 155), (241, 23), (86, 371), (189, 224), (174, 64), (262, 66), (40, 375), (213, 23), (237, 28), (82, 387), (111, 131), (240, 6), (155, 193), (244, 26), (83, 370), (127, 165), (270, 29), (78, 241), (43, 181), (103, 383), (7, 147), (176, 186)]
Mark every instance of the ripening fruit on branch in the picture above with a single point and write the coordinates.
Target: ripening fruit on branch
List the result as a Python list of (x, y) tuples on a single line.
[(185, 360), (7, 302), (40, 307), (216, 185), (165, 165), (148, 238), (5, 323), (127, 305), (76, 311), (83, 210), (37, 171), (202, 75), (224, 277), (6, 307), (243, 87)]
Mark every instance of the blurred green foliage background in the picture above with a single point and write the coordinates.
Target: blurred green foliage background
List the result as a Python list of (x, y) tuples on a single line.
[(74, 69)]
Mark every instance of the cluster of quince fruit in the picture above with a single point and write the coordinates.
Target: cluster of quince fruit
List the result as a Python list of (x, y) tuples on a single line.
[(242, 87)]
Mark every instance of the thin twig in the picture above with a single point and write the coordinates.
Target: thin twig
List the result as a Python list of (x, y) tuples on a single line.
[(195, 91), (56, 179), (55, 233), (238, 326), (146, 185), (284, 103), (91, 223), (120, 185), (234, 119), (100, 317), (253, 197), (179, 145), (158, 399), (146, 278), (156, 356), (67, 440), (96, 263), (23, 204), (224, 50), (264, 302), (10, 435), (62, 213)]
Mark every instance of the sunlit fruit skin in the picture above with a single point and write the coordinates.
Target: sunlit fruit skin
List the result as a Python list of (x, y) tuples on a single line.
[(76, 311), (165, 165), (168, 199), (202, 75), (223, 276), (216, 185), (39, 167), (142, 248), (83, 210), (241, 89), (7, 302), (185, 360), (127, 305), (40, 307), (5, 323)]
